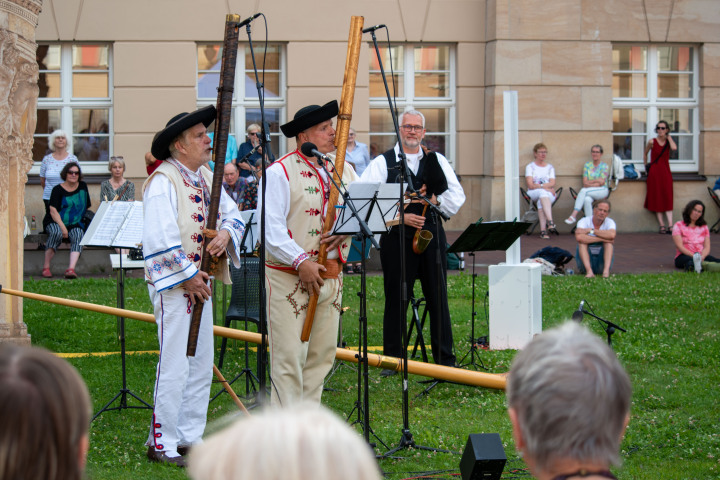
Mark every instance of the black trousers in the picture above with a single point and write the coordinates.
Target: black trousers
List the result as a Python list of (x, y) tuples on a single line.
[(434, 287), (685, 262)]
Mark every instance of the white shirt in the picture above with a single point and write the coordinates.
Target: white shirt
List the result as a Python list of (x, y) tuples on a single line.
[(540, 175), (586, 222), (161, 232), (277, 239), (450, 200)]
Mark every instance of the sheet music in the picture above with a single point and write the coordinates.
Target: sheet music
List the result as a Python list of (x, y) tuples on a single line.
[(116, 224), (361, 195), (250, 219), (387, 202)]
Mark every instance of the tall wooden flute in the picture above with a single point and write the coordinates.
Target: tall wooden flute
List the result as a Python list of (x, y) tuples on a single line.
[(440, 372), (222, 128), (341, 137)]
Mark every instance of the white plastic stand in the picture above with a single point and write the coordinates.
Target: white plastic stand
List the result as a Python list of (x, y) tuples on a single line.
[(515, 305), (515, 288)]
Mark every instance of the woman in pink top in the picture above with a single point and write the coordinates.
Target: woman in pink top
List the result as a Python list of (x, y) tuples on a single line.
[(692, 239)]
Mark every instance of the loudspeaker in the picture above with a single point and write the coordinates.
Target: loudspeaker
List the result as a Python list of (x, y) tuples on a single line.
[(483, 458)]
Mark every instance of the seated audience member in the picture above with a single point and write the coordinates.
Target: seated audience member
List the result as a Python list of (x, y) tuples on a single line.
[(68, 203), (117, 187), (569, 403), (595, 236), (692, 240), (233, 184), (302, 442), (540, 182), (595, 177), (44, 416), (250, 198)]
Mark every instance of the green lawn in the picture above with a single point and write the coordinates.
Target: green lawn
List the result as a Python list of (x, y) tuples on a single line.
[(671, 351)]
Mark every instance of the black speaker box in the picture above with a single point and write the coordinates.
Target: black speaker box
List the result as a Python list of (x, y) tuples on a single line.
[(483, 458)]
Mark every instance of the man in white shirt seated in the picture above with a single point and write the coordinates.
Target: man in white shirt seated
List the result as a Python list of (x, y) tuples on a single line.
[(595, 236)]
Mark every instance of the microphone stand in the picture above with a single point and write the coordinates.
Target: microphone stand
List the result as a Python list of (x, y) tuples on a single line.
[(608, 326), (406, 439), (362, 404), (265, 144)]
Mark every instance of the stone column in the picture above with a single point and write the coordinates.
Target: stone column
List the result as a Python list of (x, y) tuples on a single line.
[(18, 103)]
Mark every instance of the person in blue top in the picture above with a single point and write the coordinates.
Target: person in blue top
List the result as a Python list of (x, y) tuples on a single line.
[(230, 153), (251, 151)]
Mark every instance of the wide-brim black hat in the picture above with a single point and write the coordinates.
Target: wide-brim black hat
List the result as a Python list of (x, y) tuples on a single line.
[(178, 124), (308, 117)]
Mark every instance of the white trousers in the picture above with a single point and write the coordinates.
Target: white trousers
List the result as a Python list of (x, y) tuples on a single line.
[(586, 197), (299, 368), (182, 383), (538, 193)]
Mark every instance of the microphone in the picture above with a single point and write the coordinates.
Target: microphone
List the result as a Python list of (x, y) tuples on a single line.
[(248, 20), (578, 314), (372, 29), (310, 150), (248, 155)]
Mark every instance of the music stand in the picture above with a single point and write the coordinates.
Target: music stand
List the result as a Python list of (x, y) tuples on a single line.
[(484, 236), (366, 208), (118, 225)]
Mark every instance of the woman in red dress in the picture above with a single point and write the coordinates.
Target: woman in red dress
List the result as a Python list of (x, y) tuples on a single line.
[(659, 197)]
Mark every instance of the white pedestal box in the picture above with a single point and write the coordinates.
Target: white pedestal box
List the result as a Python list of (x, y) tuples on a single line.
[(515, 305)]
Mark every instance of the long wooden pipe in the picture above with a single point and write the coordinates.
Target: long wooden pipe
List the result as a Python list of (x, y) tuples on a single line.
[(439, 372), (341, 137)]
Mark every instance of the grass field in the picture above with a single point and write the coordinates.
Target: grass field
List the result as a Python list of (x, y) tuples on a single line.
[(671, 350)]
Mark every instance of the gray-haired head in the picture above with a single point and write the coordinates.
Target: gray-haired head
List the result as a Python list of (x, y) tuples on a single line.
[(53, 136), (571, 397), (300, 442), (411, 112)]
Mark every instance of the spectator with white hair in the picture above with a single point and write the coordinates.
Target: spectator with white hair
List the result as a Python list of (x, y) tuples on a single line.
[(302, 442), (569, 403), (53, 163)]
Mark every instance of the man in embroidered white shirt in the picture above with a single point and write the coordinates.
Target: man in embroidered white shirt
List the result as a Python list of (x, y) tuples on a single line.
[(176, 198), (297, 195), (426, 168)]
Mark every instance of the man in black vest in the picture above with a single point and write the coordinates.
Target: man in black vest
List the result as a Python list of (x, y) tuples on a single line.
[(431, 265)]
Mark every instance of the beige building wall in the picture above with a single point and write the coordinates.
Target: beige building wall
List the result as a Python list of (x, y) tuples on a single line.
[(557, 55)]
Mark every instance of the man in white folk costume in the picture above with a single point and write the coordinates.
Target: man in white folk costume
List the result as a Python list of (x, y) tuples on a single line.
[(176, 202)]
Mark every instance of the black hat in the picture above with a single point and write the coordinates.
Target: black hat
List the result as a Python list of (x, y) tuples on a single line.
[(178, 124), (308, 117)]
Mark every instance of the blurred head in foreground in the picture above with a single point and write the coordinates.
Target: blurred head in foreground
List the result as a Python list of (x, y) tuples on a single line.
[(44, 416), (569, 402), (304, 442)]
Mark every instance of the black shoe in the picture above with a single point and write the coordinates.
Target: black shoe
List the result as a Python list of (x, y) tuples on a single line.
[(184, 450), (160, 457), (386, 372)]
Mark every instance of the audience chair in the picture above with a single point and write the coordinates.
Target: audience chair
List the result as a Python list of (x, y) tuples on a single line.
[(529, 216)]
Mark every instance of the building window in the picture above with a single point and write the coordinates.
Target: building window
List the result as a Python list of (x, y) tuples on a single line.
[(653, 83), (245, 104), (75, 96), (424, 79)]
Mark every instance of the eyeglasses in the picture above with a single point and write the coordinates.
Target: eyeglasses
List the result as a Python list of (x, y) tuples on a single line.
[(253, 134), (595, 151), (410, 128), (73, 172), (116, 158), (660, 128)]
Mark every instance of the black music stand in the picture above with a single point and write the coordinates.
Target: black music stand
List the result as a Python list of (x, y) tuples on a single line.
[(484, 236), (118, 225), (366, 208)]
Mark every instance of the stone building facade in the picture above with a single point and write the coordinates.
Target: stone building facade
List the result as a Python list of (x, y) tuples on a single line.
[(586, 72)]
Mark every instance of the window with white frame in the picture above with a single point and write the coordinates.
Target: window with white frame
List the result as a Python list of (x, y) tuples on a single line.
[(75, 96), (653, 83), (423, 79), (245, 104)]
